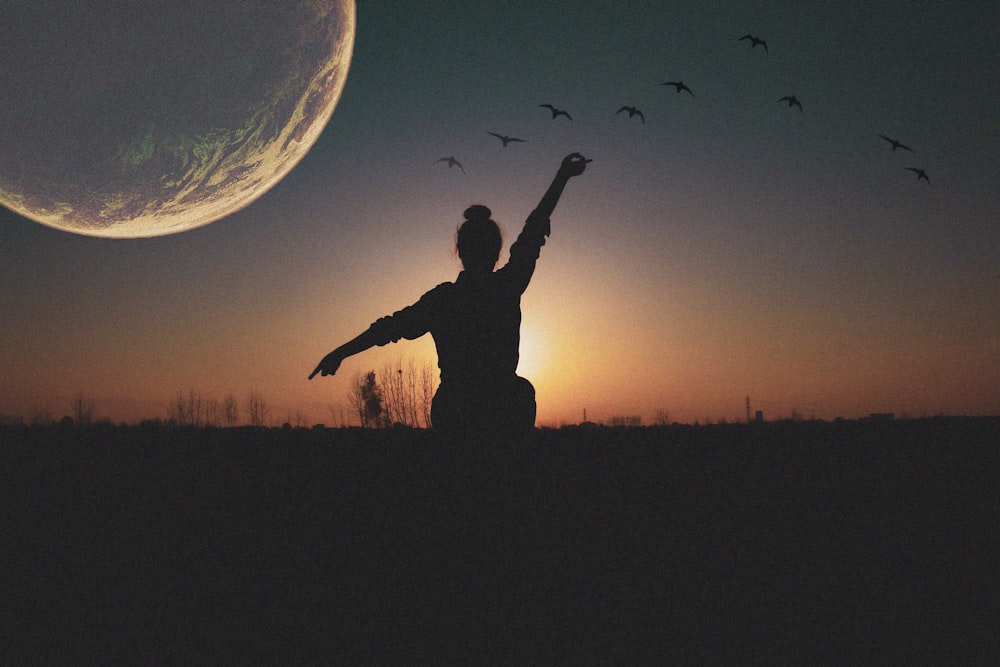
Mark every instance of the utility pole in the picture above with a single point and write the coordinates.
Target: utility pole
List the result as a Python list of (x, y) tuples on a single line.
[(748, 408)]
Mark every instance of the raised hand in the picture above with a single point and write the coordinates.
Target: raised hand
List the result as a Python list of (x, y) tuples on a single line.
[(573, 165)]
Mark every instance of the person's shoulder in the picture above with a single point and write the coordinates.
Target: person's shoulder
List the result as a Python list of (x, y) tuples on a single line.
[(438, 291), (442, 287)]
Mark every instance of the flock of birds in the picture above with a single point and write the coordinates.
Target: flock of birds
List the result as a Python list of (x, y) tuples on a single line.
[(679, 87)]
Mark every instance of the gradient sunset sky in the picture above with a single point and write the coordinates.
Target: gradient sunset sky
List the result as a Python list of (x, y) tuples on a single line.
[(728, 246)]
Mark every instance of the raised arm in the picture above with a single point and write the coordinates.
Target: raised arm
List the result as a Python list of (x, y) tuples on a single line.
[(524, 251), (572, 165)]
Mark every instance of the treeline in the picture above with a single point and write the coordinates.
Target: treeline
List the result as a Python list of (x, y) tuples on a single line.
[(399, 394), (190, 408)]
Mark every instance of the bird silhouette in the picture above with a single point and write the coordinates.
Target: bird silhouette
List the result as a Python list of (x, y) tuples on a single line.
[(754, 41), (556, 112), (505, 139), (895, 144), (678, 85), (452, 162), (792, 101), (920, 174), (632, 111)]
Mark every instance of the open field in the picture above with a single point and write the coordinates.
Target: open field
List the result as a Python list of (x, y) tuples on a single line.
[(783, 543)]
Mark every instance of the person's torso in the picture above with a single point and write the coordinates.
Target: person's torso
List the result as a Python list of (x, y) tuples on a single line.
[(476, 329)]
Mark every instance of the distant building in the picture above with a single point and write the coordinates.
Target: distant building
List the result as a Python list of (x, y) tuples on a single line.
[(626, 420)]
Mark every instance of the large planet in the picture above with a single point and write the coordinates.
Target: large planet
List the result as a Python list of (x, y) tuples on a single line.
[(138, 119)]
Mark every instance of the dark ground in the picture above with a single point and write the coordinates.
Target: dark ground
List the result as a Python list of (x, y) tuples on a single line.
[(783, 543)]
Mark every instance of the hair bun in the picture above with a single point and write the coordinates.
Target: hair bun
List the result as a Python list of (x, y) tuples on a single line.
[(478, 212)]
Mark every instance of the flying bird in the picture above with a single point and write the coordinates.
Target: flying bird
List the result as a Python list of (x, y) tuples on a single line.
[(556, 112), (678, 85), (754, 41), (632, 111), (505, 139), (920, 174), (452, 162), (895, 144), (792, 101)]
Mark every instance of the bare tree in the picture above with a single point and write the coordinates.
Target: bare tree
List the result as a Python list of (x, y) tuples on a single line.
[(400, 393), (257, 408), (412, 391), (407, 392), (391, 392), (394, 395), (428, 385), (356, 396), (176, 410), (230, 411), (83, 410), (186, 409), (661, 417), (297, 419), (211, 411), (194, 407), (338, 415)]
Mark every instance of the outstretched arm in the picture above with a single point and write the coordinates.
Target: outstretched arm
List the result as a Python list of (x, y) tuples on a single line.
[(572, 165), (409, 323), (331, 362)]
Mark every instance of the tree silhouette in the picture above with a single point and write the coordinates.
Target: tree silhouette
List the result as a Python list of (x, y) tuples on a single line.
[(366, 397), (337, 412), (257, 408), (83, 410), (407, 392), (372, 397), (186, 409), (428, 385), (211, 411), (230, 411), (394, 395)]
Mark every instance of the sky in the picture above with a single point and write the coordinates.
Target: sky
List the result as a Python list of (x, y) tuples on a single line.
[(729, 246)]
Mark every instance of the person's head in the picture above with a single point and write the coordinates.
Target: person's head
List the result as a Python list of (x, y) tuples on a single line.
[(478, 240)]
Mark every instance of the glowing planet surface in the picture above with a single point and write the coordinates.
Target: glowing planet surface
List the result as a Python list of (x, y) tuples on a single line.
[(129, 119)]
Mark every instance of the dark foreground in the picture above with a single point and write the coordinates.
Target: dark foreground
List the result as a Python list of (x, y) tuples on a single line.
[(807, 543)]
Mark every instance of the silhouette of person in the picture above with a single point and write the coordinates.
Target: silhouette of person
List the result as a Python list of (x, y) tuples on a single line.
[(475, 322)]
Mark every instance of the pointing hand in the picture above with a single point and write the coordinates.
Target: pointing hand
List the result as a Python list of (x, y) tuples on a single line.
[(328, 366)]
